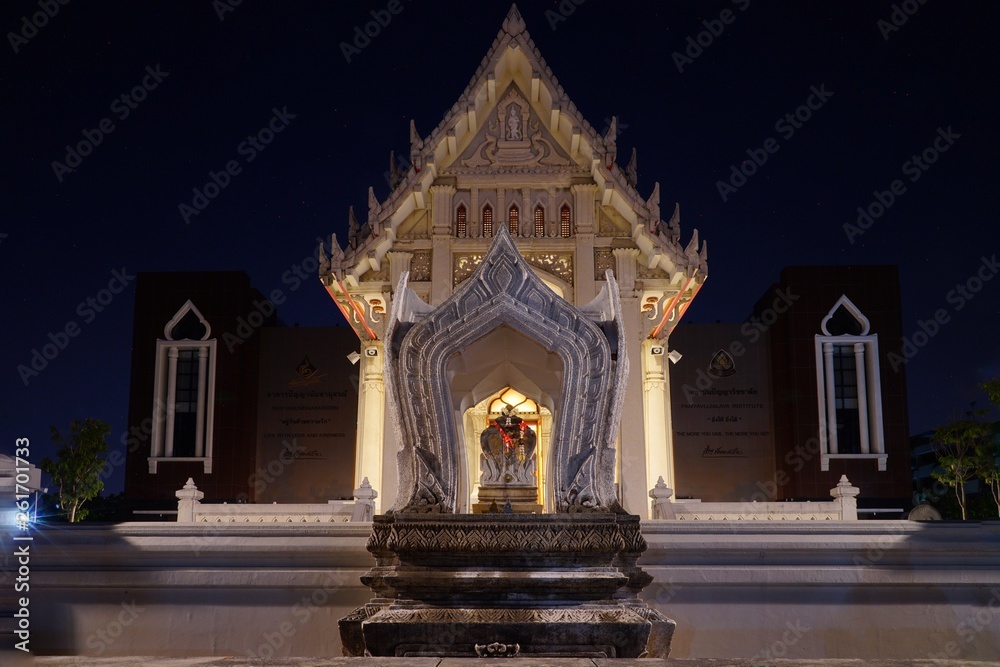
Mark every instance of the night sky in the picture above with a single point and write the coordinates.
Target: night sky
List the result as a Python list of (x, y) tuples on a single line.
[(212, 75)]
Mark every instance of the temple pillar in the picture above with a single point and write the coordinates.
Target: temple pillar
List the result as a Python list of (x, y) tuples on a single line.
[(399, 263), (371, 416), (656, 405), (584, 278), (441, 235), (632, 438), (625, 259)]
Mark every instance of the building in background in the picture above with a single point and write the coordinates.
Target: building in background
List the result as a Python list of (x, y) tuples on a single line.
[(783, 404), (220, 392)]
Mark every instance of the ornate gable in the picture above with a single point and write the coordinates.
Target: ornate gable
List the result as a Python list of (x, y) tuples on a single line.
[(514, 140)]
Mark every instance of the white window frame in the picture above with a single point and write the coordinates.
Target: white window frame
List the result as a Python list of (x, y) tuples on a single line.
[(869, 391), (163, 394)]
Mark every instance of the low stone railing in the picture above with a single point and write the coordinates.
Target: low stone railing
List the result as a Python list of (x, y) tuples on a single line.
[(190, 509), (843, 507)]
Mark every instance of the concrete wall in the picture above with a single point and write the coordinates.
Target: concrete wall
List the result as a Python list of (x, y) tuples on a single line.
[(862, 589)]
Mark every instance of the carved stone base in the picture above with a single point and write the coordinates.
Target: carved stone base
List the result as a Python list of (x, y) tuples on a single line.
[(504, 584), (592, 630)]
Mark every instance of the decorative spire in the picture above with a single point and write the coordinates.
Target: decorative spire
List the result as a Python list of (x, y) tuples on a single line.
[(653, 207), (374, 208), (675, 223), (324, 262), (336, 253), (704, 252), (611, 143), (395, 177), (632, 170), (692, 247), (352, 228), (416, 145), (513, 24)]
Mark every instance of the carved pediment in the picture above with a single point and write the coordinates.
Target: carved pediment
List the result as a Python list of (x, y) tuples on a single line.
[(559, 264), (513, 140)]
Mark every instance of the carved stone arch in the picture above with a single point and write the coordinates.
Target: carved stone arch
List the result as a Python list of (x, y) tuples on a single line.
[(565, 205), (460, 216), (513, 216), (505, 292)]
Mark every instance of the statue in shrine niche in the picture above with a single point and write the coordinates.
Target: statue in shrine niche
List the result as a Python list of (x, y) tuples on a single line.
[(508, 451), (513, 125), (508, 462)]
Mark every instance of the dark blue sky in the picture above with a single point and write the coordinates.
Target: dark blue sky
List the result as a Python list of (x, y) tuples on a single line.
[(209, 83)]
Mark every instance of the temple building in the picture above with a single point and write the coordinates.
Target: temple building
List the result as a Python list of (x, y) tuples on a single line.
[(515, 151)]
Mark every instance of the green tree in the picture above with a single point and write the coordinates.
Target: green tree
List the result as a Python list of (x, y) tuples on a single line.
[(988, 468), (992, 389), (959, 448), (78, 465)]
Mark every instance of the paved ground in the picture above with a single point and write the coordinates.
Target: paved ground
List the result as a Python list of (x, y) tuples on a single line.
[(140, 661)]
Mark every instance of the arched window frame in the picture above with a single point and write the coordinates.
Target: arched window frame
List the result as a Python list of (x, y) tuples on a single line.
[(539, 221), (513, 220), (172, 356), (565, 221), (866, 388), (487, 220), (461, 221)]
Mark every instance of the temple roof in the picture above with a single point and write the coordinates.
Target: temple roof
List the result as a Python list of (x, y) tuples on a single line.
[(514, 67)]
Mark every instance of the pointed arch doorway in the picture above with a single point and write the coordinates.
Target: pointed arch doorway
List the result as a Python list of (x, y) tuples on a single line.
[(485, 372)]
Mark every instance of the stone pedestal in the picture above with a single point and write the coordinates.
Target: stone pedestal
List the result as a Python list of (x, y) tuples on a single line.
[(506, 584), (522, 499)]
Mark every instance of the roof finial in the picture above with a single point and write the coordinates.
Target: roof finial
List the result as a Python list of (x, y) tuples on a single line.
[(324, 262), (653, 206), (632, 170), (336, 252), (395, 175), (416, 145), (692, 247), (374, 209), (352, 228), (611, 143), (513, 24), (675, 223)]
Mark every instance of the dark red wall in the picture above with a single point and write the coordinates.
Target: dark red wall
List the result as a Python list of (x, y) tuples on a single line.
[(222, 298), (875, 291)]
